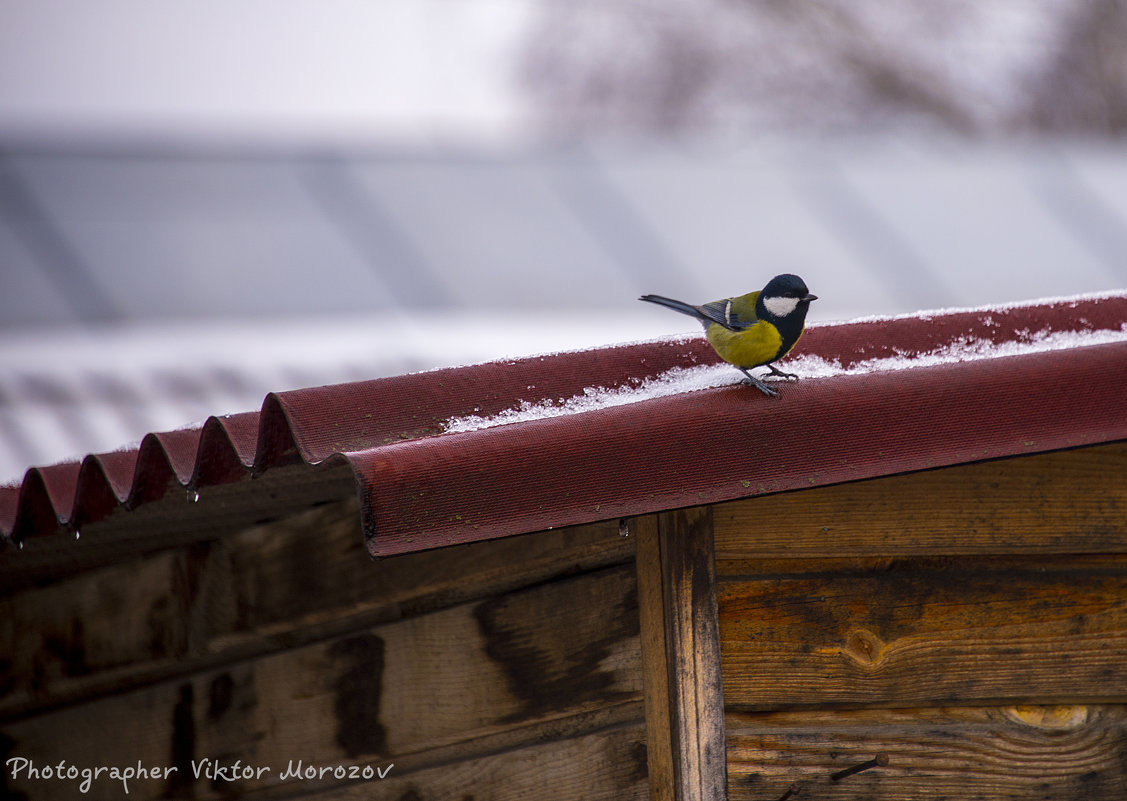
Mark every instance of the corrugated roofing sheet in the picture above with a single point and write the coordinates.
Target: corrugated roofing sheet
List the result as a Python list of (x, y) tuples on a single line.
[(422, 487)]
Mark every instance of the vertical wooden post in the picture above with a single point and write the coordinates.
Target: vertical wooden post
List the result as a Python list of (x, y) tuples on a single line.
[(681, 656), (655, 666)]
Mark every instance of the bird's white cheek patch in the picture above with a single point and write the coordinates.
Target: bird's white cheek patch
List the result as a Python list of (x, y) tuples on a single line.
[(780, 307)]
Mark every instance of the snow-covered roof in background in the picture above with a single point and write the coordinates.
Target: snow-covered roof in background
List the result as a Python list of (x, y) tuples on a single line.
[(145, 291), (105, 237)]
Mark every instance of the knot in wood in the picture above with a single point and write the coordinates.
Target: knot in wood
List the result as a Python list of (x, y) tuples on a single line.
[(1054, 718), (864, 647)]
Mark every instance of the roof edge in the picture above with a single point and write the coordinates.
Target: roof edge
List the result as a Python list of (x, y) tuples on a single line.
[(385, 418)]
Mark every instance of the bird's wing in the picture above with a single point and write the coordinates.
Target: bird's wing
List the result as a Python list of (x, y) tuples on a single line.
[(735, 314)]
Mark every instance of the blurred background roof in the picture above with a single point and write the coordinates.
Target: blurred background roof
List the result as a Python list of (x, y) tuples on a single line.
[(203, 203)]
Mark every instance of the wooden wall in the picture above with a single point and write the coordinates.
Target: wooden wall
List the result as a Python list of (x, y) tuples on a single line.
[(970, 623), (497, 670)]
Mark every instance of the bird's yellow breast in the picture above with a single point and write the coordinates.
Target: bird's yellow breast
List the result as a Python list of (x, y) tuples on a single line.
[(749, 348)]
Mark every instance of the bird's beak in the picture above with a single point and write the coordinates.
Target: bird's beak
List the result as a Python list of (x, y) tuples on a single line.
[(808, 297)]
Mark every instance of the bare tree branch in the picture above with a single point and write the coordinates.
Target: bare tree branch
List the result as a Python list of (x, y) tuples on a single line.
[(670, 66), (1083, 89)]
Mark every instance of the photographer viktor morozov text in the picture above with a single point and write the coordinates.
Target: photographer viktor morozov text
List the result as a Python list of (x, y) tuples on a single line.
[(23, 769)]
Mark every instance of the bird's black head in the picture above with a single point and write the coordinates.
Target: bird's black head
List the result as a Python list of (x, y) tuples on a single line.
[(783, 296)]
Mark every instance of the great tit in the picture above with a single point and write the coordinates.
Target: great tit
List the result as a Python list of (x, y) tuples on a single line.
[(753, 329)]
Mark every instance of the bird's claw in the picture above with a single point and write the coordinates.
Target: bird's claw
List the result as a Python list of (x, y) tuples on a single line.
[(755, 382), (775, 371), (766, 390)]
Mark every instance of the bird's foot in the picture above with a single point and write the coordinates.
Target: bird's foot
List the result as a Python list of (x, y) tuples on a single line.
[(775, 371), (755, 382)]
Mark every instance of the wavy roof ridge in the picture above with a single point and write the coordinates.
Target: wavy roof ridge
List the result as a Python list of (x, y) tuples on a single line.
[(396, 435)]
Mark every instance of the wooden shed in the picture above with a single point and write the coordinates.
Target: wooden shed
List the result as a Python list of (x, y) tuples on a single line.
[(570, 577)]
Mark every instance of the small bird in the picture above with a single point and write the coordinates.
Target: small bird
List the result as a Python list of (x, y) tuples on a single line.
[(754, 329)]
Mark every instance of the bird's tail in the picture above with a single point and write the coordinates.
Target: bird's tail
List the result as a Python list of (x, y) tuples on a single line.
[(677, 305)]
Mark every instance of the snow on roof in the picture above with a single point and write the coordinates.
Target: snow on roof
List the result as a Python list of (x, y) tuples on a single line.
[(962, 350), (813, 366)]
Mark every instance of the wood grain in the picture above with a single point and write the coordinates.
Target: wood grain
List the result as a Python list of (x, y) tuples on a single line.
[(508, 663), (696, 698), (283, 584), (177, 520), (603, 766), (926, 632), (1064, 502), (655, 658), (1054, 752)]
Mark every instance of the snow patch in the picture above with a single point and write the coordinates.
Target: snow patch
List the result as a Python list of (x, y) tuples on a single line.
[(681, 380), (964, 350), (675, 381)]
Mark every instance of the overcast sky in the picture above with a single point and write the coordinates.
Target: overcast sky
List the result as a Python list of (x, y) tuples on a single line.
[(423, 70)]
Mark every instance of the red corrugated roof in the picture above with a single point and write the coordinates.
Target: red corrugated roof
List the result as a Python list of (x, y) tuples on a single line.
[(422, 488)]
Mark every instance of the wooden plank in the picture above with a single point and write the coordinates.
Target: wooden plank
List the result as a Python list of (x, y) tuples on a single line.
[(606, 765), (287, 583), (1042, 752), (926, 632), (174, 521), (1064, 502), (655, 658), (689, 738), (505, 664), (583, 755), (693, 644)]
